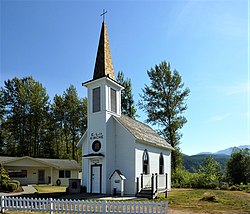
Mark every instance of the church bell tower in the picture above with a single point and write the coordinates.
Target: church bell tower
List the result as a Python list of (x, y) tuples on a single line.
[(104, 100)]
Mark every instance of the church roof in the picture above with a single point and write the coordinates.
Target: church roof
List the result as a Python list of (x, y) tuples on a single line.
[(103, 64), (142, 132)]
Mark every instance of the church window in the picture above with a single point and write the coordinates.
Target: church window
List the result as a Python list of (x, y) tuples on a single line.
[(145, 162), (96, 100), (161, 165), (113, 100), (96, 146)]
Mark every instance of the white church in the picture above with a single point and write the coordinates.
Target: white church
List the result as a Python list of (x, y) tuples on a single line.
[(120, 155)]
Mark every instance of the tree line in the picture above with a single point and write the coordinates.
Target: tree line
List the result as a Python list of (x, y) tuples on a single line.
[(33, 125)]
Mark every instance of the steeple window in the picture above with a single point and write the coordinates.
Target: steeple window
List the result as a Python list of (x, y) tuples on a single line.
[(96, 99), (113, 100)]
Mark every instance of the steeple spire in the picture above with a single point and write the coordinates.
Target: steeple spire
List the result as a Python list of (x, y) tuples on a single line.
[(103, 64)]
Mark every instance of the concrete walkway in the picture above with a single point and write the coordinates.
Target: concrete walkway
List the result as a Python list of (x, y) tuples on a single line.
[(26, 190)]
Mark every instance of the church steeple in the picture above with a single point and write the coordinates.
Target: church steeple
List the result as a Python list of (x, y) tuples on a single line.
[(103, 64)]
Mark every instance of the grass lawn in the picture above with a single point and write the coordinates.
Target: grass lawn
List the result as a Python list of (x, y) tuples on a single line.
[(187, 201), (228, 201), (49, 189)]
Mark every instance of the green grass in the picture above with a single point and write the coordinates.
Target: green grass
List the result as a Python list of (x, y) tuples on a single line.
[(50, 189), (189, 201), (227, 201)]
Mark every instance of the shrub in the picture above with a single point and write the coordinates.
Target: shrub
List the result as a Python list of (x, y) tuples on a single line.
[(5, 184), (224, 186), (233, 188), (12, 187), (16, 182)]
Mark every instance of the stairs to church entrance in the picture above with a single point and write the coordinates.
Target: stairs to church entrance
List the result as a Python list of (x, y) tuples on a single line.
[(145, 193), (149, 186)]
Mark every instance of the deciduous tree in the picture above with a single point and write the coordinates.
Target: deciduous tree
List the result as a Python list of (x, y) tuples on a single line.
[(238, 166), (164, 102)]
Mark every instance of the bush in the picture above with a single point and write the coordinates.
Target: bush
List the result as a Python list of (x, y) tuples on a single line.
[(233, 188), (12, 187), (16, 182), (224, 186)]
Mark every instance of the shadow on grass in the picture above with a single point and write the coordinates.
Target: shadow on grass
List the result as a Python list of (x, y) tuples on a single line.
[(64, 195)]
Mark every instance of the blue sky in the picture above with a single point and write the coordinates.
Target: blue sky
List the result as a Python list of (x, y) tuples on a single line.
[(206, 41)]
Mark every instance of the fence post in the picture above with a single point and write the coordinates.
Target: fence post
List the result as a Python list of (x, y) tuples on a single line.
[(166, 208), (103, 207), (2, 204), (152, 185), (51, 206)]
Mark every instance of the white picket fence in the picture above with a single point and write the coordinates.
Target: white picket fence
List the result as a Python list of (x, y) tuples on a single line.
[(79, 206)]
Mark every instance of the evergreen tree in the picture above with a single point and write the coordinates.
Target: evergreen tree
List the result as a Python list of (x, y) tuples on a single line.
[(127, 101), (238, 166), (72, 116), (25, 106), (164, 102)]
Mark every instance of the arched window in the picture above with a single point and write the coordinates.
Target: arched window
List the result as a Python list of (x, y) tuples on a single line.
[(145, 162), (161, 164)]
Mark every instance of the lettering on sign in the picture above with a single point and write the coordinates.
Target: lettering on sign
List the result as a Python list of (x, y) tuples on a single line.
[(94, 136)]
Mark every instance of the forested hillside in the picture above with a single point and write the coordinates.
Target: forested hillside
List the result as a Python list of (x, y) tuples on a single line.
[(192, 163), (35, 125)]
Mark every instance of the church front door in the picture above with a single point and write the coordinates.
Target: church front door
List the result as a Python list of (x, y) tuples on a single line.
[(96, 178)]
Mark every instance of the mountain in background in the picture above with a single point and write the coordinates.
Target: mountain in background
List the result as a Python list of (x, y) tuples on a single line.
[(226, 151), (192, 163)]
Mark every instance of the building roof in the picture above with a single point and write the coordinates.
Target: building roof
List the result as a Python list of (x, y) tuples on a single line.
[(103, 64), (56, 163), (142, 132), (119, 174)]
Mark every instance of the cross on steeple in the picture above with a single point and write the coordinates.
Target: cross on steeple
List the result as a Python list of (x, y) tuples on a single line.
[(103, 14)]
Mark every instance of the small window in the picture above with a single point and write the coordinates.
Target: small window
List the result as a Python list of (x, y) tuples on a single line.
[(67, 174), (113, 100), (96, 100), (145, 162), (61, 173), (17, 173), (161, 165)]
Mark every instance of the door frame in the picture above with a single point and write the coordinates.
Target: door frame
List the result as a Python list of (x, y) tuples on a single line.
[(41, 181), (91, 180)]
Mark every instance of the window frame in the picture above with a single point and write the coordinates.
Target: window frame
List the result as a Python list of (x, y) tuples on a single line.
[(16, 173), (145, 162), (161, 164), (96, 99), (113, 100)]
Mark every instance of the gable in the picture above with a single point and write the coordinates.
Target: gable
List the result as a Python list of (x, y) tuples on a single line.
[(26, 162)]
